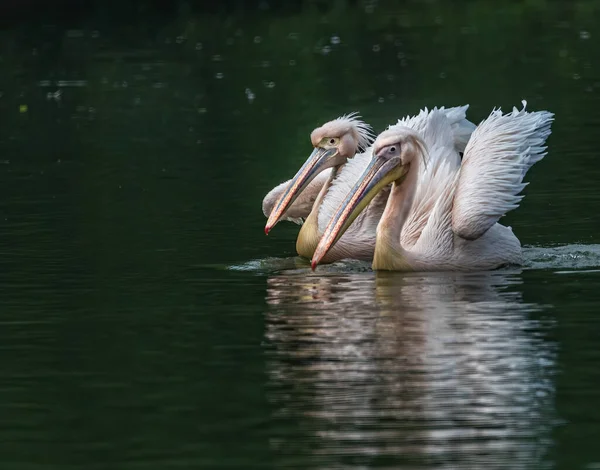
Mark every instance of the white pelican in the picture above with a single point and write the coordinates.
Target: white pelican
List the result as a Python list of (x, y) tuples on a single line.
[(461, 203), (335, 145)]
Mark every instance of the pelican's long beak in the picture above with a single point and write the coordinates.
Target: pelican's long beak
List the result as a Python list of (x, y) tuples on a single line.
[(376, 176), (319, 160)]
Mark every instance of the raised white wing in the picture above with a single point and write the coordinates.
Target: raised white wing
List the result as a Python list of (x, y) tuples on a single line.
[(499, 153), (445, 133), (433, 130)]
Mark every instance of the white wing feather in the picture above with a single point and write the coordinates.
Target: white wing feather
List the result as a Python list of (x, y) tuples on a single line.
[(445, 133), (497, 157)]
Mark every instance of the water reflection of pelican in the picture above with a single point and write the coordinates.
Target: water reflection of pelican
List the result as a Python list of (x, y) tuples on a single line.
[(441, 369)]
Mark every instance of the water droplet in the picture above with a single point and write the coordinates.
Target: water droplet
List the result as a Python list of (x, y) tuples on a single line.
[(381, 100), (400, 55), (335, 40), (376, 48), (271, 85), (391, 96), (198, 46), (179, 39), (249, 95), (293, 36), (219, 75), (325, 50), (124, 84), (257, 39), (201, 110), (74, 33), (217, 58), (23, 108), (54, 96), (442, 74), (576, 76), (71, 83), (584, 35), (292, 62), (265, 64)]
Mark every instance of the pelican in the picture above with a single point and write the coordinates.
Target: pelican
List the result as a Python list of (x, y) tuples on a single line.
[(467, 199), (314, 194)]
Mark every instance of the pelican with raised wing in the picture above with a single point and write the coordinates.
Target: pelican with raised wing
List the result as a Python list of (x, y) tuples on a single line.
[(336, 144), (460, 202)]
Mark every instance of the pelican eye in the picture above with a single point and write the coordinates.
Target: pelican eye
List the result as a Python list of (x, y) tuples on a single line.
[(392, 149), (329, 142)]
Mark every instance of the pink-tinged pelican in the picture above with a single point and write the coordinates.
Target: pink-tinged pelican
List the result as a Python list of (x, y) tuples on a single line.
[(465, 200), (335, 142), (335, 146)]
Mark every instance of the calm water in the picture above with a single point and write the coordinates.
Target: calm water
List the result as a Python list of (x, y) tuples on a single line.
[(147, 322)]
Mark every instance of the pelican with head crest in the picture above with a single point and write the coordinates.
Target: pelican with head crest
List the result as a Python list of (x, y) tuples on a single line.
[(335, 142), (465, 200), (314, 194)]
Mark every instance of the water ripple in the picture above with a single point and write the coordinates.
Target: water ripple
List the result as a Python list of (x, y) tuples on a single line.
[(440, 368)]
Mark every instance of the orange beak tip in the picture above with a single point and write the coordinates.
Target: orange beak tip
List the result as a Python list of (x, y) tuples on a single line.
[(313, 265), (267, 229)]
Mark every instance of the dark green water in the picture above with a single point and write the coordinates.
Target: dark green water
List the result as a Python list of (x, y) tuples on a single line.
[(146, 322)]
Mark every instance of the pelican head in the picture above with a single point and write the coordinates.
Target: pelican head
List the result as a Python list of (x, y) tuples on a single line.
[(334, 143), (393, 152)]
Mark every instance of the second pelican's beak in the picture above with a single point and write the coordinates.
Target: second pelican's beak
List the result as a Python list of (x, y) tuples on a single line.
[(319, 160), (376, 176)]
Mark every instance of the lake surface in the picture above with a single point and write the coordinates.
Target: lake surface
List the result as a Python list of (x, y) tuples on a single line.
[(146, 322)]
